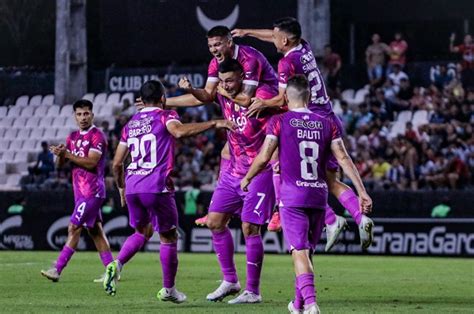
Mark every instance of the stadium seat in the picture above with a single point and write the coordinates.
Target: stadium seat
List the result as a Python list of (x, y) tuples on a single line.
[(359, 96), (16, 145), (35, 101), (70, 123), (62, 134), (113, 99), (41, 111), (89, 96), (66, 111), (22, 101), (38, 133), (8, 156), (33, 122), (348, 95), (11, 134), (29, 145), (20, 156), (404, 116), (48, 100), (28, 112), (419, 118), (50, 134), (105, 111), (397, 129), (3, 167), (3, 111), (58, 122), (128, 96), (24, 133), (2, 132), (100, 99), (4, 144), (336, 106), (46, 122), (53, 111), (6, 122), (19, 122), (13, 182), (14, 111)]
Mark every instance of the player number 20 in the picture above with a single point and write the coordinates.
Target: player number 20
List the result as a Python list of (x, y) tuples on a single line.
[(138, 148), (309, 163)]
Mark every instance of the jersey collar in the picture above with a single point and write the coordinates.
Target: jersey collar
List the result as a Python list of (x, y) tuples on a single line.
[(305, 109), (236, 51), (86, 131), (294, 49), (148, 109)]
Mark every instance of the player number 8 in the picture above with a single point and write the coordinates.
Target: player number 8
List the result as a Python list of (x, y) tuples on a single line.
[(309, 164)]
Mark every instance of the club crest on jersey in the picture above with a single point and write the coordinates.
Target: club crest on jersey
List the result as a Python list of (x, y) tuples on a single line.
[(85, 143), (312, 125)]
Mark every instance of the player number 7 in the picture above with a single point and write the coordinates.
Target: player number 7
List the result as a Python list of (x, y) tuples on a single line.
[(262, 196)]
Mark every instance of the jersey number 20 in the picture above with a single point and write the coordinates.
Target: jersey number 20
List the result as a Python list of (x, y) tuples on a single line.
[(138, 149)]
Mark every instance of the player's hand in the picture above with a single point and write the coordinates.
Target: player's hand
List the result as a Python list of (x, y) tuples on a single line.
[(365, 203), (184, 83), (452, 38), (256, 106), (238, 32), (123, 200), (244, 184), (59, 150), (139, 104), (222, 91), (225, 124)]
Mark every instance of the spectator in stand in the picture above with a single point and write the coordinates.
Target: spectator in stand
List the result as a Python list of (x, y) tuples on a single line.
[(380, 171), (397, 74), (397, 52), (375, 58), (331, 67), (396, 175), (440, 77), (44, 163), (127, 108), (346, 116), (467, 51), (364, 118), (191, 204), (410, 133), (404, 95)]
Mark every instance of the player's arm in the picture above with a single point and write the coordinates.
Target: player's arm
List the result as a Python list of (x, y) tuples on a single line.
[(261, 34), (259, 104), (117, 169), (89, 162), (244, 98), (179, 130), (269, 146), (339, 151), (196, 96)]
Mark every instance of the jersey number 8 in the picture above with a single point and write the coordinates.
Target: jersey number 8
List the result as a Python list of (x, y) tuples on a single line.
[(309, 163)]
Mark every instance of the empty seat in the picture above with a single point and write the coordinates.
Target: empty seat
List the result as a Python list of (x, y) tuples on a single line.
[(8, 156), (21, 156), (14, 111), (347, 95), (48, 100), (70, 122), (58, 121), (62, 134), (420, 117), (24, 133), (35, 101), (4, 144), (100, 98), (359, 96), (46, 122), (2, 131), (16, 145), (53, 111), (41, 111), (3, 111), (105, 111), (33, 122), (113, 99), (131, 98), (66, 111), (22, 101), (50, 134), (19, 122), (28, 112), (13, 182), (6, 122), (89, 97), (404, 116), (29, 145), (3, 167), (11, 134), (37, 133)]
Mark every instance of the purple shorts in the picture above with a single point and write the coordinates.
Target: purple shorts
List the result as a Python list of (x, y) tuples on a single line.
[(302, 227), (87, 212), (159, 209), (254, 206)]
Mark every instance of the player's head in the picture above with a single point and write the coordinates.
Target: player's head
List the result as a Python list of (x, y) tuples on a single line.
[(231, 76), (286, 34), (219, 42), (297, 91), (83, 113), (153, 94), (375, 38)]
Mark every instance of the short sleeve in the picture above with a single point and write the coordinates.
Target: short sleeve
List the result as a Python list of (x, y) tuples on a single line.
[(284, 73), (335, 132), (252, 71), (98, 143), (124, 135), (68, 143), (169, 116), (274, 126), (213, 71)]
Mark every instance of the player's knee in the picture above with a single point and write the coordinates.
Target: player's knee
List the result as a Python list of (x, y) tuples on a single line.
[(73, 229), (148, 232), (170, 236), (249, 229)]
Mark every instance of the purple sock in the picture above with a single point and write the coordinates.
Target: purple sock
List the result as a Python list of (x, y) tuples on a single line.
[(330, 217), (106, 257), (254, 246), (169, 263), (63, 258), (132, 245), (350, 201), (298, 302), (305, 284), (224, 247)]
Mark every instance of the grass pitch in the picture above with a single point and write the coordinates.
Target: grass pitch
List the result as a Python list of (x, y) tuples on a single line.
[(346, 284)]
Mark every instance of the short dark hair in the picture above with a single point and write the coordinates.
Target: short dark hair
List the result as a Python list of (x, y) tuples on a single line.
[(152, 91), (300, 84), (289, 25), (230, 65), (220, 30), (83, 103)]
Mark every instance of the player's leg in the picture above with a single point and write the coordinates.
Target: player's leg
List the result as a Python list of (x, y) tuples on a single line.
[(225, 202), (275, 224), (164, 212), (258, 204), (96, 232), (224, 164), (350, 201)]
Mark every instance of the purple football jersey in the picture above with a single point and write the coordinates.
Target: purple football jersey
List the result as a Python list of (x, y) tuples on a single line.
[(152, 150), (257, 71), (88, 183), (244, 142), (304, 147), (300, 60)]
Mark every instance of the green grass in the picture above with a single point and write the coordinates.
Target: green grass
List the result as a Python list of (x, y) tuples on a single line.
[(345, 284)]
